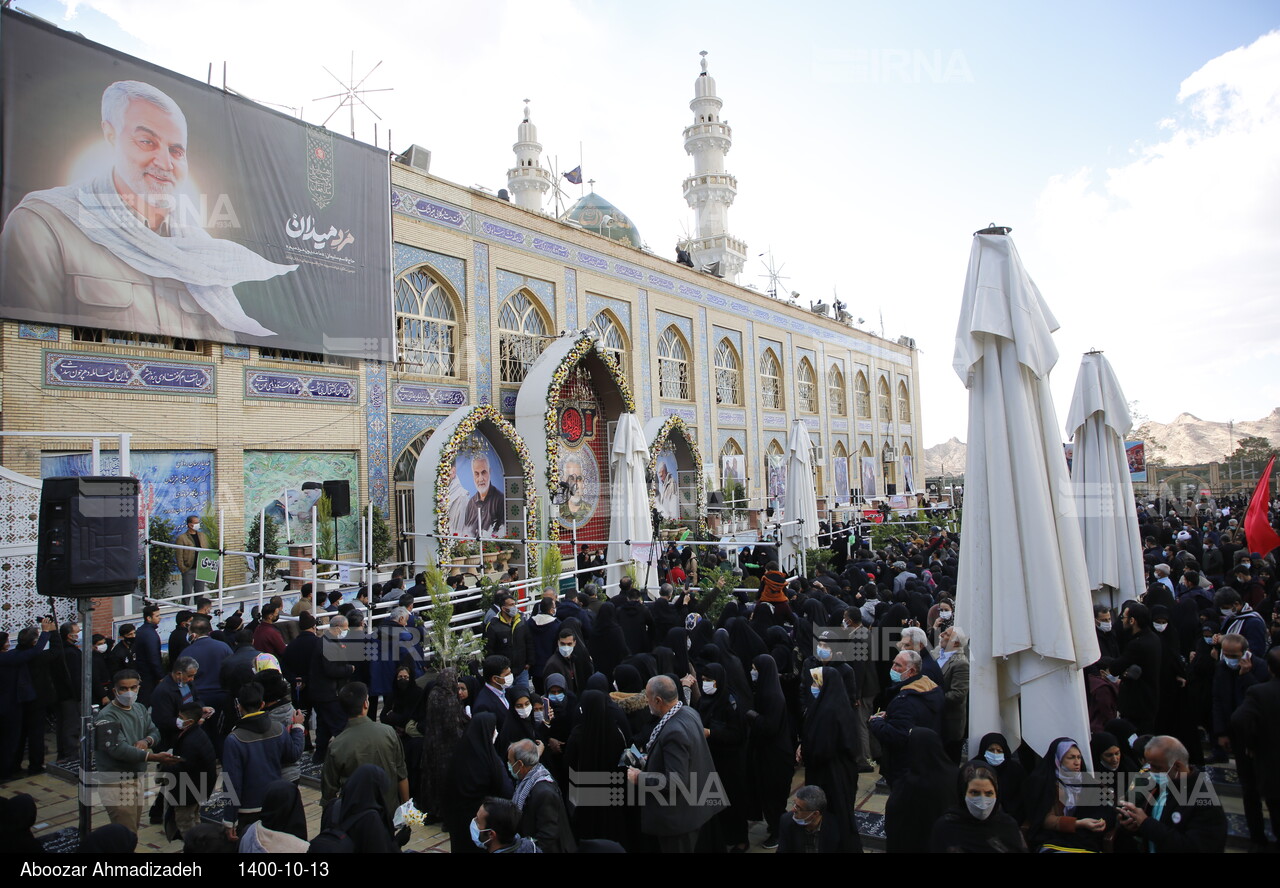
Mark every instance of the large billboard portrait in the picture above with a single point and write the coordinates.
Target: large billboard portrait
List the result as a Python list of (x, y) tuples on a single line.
[(840, 471), (477, 503), (135, 199), (579, 469), (667, 492)]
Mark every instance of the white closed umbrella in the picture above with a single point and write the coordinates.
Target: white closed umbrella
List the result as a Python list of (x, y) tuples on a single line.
[(801, 499), (1098, 422), (629, 516), (1022, 591)]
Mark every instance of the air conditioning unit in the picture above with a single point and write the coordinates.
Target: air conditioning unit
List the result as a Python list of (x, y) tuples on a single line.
[(417, 157), (817, 454), (907, 341)]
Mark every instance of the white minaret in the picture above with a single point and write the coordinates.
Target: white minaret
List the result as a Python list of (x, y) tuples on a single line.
[(710, 190), (528, 181)]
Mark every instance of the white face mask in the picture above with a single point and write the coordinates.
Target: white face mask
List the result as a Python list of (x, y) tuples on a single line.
[(101, 648), (1159, 627), (524, 711), (566, 650), (180, 723), (540, 717), (343, 633), (755, 675), (944, 615), (980, 806), (708, 687), (1105, 626), (126, 698), (508, 681)]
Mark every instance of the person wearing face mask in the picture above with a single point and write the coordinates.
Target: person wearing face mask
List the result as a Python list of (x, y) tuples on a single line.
[(67, 690), (498, 679), (508, 634), (918, 703), (192, 536), (570, 659), (995, 753), (1179, 815), (800, 829), (519, 723), (174, 691), (543, 816), (1104, 626), (771, 748), (724, 727), (253, 756), (828, 751), (1255, 732), (192, 776), (979, 824), (1139, 687), (1240, 618), (332, 666), (1102, 692), (126, 739), (493, 829)]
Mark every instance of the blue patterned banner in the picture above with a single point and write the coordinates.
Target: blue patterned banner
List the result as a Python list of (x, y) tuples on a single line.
[(274, 385), (78, 370), (408, 395)]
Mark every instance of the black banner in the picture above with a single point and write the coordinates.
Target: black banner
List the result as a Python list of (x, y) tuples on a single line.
[(136, 199)]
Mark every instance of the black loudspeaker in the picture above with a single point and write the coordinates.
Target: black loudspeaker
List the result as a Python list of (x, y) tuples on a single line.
[(88, 543), (339, 493), (890, 489), (715, 501)]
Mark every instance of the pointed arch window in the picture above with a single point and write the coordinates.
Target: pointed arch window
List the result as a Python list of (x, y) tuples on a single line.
[(882, 395), (611, 338), (728, 375), (522, 335), (426, 325), (904, 403), (673, 365), (837, 397), (770, 380), (806, 387), (862, 396)]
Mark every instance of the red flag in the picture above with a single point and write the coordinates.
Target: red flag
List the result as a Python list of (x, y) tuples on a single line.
[(1257, 532)]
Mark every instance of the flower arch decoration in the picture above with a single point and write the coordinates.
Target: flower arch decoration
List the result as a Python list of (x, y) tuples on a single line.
[(484, 413), (677, 424), (587, 344)]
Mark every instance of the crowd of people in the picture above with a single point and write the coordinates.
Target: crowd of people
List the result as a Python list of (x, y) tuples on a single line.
[(674, 720)]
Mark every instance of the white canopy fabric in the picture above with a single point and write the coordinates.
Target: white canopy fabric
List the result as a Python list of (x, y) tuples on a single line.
[(1098, 421), (629, 494), (1023, 591), (801, 500)]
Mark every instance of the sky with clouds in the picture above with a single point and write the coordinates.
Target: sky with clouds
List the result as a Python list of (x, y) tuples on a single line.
[(1131, 146)]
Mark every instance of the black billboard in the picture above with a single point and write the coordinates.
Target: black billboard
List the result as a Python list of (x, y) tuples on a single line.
[(136, 199)]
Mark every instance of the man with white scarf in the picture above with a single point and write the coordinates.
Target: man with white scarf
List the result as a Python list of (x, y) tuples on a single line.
[(118, 250)]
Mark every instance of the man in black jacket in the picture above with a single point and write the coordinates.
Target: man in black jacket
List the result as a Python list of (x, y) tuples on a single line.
[(178, 637), (67, 689), (1139, 669), (123, 655), (35, 712), (147, 645), (1255, 739), (175, 690), (332, 666), (635, 619), (543, 817), (1184, 814)]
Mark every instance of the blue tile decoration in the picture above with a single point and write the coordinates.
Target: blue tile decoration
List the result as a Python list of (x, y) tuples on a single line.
[(407, 426), (451, 268), (83, 370), (417, 206), (839, 425), (375, 386), (904, 427), (508, 283), (278, 385), (571, 300), (236, 352), (684, 325), (775, 420), (507, 400), (404, 394), (750, 370), (410, 203), (620, 308), (732, 417), (41, 332), (708, 349), (484, 328), (688, 414), (646, 372), (864, 426), (810, 422)]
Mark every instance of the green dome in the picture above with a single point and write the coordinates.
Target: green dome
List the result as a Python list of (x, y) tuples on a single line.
[(594, 213)]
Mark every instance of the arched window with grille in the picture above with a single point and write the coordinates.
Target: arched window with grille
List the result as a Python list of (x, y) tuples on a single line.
[(728, 375), (426, 325), (837, 397), (673, 365), (522, 335), (612, 339), (862, 396), (770, 380), (806, 387), (904, 403), (882, 395)]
